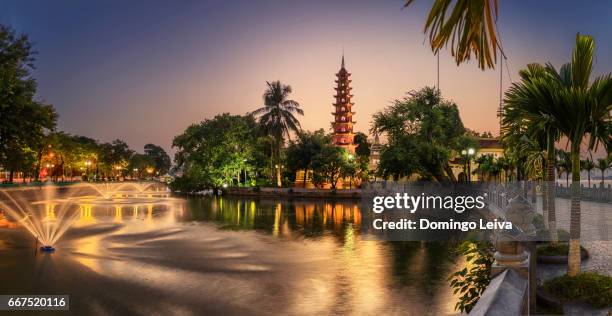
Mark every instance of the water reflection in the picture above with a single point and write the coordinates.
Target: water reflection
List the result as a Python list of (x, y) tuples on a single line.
[(236, 256)]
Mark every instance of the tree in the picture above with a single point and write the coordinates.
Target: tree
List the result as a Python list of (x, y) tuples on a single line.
[(587, 165), (399, 160), (433, 126), (113, 156), (362, 153), (159, 156), (301, 153), (139, 163), (277, 118), (565, 164), (470, 27), (213, 153), (582, 110), (24, 120), (363, 145), (329, 165), (578, 109), (602, 165)]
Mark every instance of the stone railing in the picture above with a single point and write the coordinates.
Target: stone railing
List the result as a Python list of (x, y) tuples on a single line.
[(599, 193)]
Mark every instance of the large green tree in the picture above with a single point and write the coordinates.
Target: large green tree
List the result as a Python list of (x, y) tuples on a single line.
[(214, 152), (579, 109), (428, 123), (24, 121)]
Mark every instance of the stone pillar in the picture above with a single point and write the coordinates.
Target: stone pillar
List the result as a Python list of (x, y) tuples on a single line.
[(516, 248)]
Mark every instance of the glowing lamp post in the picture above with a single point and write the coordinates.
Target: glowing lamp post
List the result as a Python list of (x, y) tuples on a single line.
[(278, 175), (87, 164), (468, 156)]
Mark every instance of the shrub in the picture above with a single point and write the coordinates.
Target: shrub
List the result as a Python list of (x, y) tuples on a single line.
[(593, 288), (470, 282), (561, 249)]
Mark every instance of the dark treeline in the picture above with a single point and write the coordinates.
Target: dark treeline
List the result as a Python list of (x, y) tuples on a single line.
[(30, 143)]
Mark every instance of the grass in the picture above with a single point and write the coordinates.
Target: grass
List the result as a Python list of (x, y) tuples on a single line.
[(592, 288)]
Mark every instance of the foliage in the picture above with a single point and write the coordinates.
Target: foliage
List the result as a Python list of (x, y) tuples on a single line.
[(469, 26), (23, 134), (115, 154), (329, 165), (602, 165), (587, 165), (427, 127), (159, 156), (567, 103), (561, 249), (277, 116), (363, 145), (139, 163), (472, 280), (301, 152), (216, 151), (593, 288)]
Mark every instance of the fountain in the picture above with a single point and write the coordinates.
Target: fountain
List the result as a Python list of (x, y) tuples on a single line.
[(47, 216), (37, 211)]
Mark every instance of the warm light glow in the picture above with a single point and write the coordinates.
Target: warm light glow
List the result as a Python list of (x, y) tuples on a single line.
[(471, 151)]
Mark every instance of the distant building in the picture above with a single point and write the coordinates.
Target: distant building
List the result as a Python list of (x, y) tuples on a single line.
[(375, 149), (488, 146)]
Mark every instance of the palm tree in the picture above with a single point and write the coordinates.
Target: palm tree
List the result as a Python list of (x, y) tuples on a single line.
[(588, 165), (581, 109), (602, 165), (277, 119), (528, 132), (469, 27), (565, 165)]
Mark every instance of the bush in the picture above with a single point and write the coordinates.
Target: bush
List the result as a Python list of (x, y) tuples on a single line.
[(561, 249), (593, 288)]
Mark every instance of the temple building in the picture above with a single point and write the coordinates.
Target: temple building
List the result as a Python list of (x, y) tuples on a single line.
[(343, 115), (342, 127)]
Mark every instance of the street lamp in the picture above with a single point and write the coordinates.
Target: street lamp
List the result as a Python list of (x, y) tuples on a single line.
[(278, 175), (470, 153)]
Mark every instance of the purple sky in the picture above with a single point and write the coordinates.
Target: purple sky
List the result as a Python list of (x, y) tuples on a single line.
[(143, 71)]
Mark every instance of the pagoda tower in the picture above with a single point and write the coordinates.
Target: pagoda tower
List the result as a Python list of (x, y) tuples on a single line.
[(342, 125)]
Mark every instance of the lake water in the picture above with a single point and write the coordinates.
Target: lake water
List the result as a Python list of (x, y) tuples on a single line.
[(225, 255)]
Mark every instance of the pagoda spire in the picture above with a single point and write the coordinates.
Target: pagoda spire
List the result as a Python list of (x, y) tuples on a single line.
[(342, 125)]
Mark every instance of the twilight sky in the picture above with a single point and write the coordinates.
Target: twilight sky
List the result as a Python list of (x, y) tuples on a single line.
[(143, 71)]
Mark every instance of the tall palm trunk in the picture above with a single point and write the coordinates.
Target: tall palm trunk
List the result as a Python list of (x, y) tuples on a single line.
[(550, 190), (573, 262)]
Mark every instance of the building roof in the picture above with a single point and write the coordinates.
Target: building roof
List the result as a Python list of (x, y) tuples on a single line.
[(489, 143)]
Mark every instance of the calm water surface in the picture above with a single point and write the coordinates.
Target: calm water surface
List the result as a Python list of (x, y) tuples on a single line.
[(229, 255)]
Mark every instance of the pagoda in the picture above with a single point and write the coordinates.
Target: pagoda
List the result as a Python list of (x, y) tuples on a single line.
[(342, 125)]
